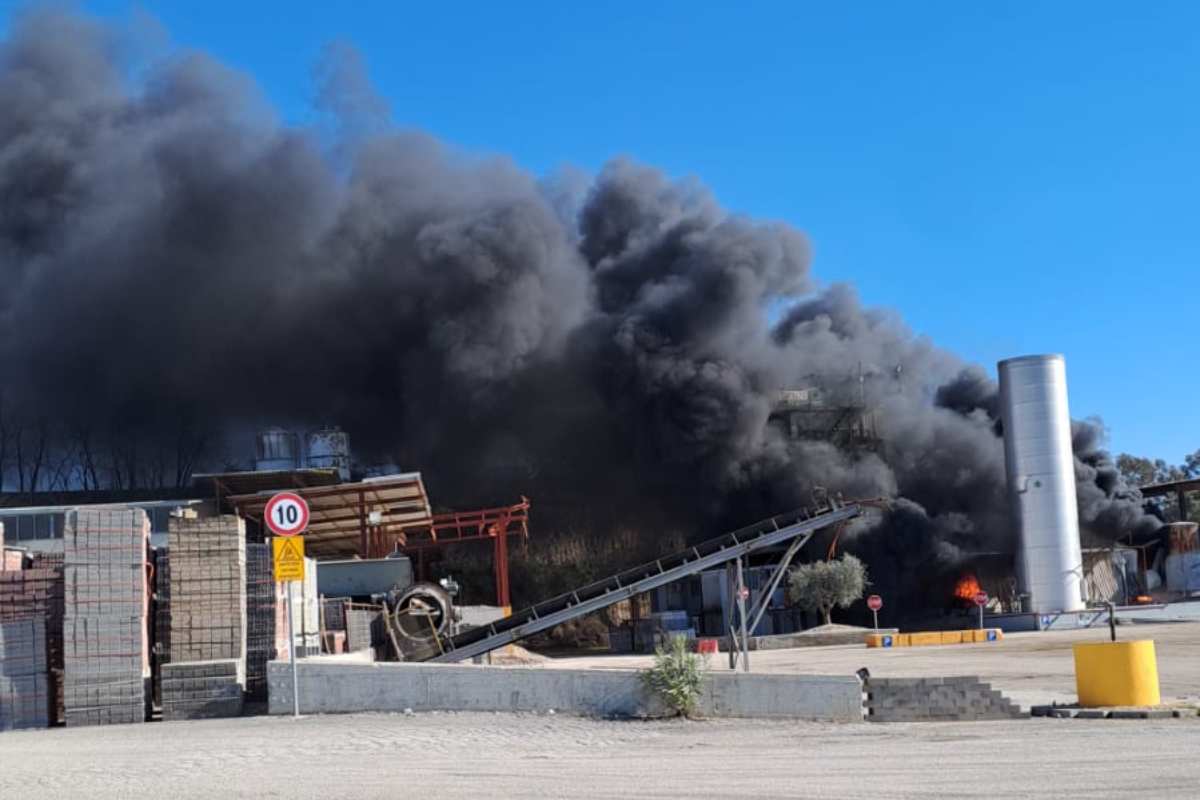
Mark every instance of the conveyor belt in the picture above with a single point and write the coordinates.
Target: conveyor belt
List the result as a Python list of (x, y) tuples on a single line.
[(615, 588)]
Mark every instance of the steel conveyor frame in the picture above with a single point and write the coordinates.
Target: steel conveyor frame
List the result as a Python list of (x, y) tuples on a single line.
[(614, 589)]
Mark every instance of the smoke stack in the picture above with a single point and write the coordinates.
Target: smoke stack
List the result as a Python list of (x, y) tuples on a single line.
[(1041, 480)]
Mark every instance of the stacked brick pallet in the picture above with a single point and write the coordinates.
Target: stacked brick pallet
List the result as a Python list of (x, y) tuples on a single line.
[(9, 559), (162, 616), (202, 689), (36, 595), (208, 618), (266, 620), (106, 647), (25, 700)]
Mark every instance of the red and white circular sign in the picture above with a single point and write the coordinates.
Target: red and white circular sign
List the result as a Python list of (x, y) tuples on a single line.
[(874, 602), (981, 598), (286, 514), (744, 593)]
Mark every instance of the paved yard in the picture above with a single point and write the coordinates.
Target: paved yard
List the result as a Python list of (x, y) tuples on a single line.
[(521, 755), (1030, 668)]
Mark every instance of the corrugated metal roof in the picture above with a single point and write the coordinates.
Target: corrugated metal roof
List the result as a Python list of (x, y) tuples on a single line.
[(339, 514), (1171, 487), (248, 482)]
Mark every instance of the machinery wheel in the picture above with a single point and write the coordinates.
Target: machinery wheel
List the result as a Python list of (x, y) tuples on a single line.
[(422, 613)]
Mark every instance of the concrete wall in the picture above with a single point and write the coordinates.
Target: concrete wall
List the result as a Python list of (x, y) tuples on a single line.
[(340, 688)]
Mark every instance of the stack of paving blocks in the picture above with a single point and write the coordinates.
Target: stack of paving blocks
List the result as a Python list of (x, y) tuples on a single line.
[(932, 699), (206, 673), (266, 620), (9, 559), (105, 638), (162, 616), (202, 689), (36, 595), (25, 700)]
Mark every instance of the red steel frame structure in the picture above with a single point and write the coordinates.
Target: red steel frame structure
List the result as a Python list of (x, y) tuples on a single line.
[(454, 527)]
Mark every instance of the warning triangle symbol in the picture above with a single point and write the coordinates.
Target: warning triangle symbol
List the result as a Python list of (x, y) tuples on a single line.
[(288, 553)]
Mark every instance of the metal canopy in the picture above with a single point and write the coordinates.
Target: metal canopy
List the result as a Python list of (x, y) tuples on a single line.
[(249, 482), (341, 514), (1171, 487)]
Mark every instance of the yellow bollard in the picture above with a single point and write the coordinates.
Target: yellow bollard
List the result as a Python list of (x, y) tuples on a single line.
[(1116, 674)]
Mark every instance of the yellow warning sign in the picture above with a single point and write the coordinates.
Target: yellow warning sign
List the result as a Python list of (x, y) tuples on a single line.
[(289, 558)]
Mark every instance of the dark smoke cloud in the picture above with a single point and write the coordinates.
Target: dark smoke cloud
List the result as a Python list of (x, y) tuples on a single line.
[(172, 255)]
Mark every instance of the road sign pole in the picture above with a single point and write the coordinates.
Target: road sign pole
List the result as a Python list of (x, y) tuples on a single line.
[(981, 618), (292, 640), (876, 615)]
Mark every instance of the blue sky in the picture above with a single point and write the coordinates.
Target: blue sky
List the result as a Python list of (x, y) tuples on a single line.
[(1012, 177)]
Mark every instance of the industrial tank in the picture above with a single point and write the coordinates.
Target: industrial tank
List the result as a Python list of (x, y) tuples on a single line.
[(276, 448), (329, 448), (1041, 480)]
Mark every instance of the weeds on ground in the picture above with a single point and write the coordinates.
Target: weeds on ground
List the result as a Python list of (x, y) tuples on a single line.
[(677, 676)]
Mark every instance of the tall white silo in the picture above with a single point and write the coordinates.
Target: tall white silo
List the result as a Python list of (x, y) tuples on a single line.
[(1041, 480)]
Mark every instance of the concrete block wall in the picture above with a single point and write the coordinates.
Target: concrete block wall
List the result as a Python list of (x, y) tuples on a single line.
[(105, 636), (346, 687), (965, 698)]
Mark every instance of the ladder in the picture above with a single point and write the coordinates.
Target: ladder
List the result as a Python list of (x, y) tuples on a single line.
[(796, 525)]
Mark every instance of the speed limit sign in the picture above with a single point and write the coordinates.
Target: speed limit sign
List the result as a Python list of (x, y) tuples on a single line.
[(286, 514)]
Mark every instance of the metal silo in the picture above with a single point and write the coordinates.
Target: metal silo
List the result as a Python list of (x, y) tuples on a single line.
[(329, 448), (1041, 480), (276, 448)]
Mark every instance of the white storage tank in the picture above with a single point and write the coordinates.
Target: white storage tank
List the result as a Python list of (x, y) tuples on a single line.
[(329, 448), (276, 448), (1041, 480)]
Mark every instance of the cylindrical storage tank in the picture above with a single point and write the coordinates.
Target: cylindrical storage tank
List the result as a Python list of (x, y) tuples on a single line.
[(1041, 480), (330, 449), (276, 448)]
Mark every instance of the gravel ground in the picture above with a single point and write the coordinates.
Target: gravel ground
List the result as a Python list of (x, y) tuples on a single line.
[(1030, 668), (452, 755)]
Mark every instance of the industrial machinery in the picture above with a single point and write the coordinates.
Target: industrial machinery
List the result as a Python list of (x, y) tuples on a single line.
[(794, 528), (415, 615)]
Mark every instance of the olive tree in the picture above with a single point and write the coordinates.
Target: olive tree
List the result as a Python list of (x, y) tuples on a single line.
[(822, 585)]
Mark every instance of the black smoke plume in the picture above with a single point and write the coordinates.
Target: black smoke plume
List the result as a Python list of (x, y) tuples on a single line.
[(177, 264)]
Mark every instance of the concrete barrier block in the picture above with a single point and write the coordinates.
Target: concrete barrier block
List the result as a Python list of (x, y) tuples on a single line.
[(347, 687), (925, 639)]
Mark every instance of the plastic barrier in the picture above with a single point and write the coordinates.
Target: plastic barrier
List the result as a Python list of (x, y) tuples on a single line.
[(1116, 674)]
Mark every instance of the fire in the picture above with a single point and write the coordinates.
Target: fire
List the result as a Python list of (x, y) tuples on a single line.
[(966, 588)]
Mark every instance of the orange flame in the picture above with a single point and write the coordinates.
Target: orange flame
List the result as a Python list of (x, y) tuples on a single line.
[(966, 587)]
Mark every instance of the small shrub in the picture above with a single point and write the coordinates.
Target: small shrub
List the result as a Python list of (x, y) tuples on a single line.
[(677, 676)]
